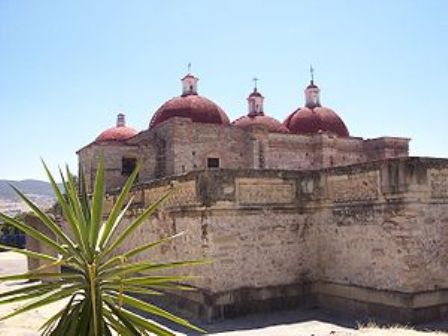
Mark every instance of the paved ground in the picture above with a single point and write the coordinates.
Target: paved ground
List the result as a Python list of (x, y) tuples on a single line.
[(291, 323), (29, 323)]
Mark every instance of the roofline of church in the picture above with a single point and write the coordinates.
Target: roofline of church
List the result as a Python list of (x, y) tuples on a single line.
[(166, 122)]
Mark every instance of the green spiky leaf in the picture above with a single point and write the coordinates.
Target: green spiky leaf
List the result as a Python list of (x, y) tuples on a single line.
[(98, 280)]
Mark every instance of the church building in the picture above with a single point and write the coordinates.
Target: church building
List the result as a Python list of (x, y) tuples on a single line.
[(292, 213), (191, 132)]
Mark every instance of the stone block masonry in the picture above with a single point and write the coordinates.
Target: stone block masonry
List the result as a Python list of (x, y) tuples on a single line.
[(179, 146), (369, 238)]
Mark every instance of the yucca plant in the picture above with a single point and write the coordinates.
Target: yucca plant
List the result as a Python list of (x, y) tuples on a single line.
[(98, 284)]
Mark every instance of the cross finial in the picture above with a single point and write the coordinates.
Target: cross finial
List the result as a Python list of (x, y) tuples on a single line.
[(312, 73), (255, 79), (189, 67)]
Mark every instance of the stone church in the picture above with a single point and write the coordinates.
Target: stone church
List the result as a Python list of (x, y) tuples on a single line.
[(292, 213)]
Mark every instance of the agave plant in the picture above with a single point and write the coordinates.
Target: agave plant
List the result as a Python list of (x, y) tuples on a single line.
[(99, 285)]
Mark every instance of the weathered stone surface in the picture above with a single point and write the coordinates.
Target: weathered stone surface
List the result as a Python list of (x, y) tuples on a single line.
[(380, 226), (184, 193), (179, 146), (266, 191), (358, 187), (34, 245), (439, 183)]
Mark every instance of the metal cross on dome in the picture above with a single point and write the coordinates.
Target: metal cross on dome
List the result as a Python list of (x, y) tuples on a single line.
[(255, 79), (312, 72), (189, 67)]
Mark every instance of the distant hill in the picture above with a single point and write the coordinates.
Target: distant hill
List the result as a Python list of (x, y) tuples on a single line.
[(29, 187), (39, 192)]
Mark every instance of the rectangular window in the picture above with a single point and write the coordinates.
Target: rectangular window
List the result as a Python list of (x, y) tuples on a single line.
[(128, 166), (212, 163)]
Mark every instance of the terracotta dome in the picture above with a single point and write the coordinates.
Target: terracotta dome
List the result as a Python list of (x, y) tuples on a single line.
[(190, 105), (318, 119), (314, 118), (273, 125), (118, 133), (256, 115), (197, 108)]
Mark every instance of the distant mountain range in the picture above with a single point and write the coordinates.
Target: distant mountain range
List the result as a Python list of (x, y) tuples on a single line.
[(29, 187), (39, 191)]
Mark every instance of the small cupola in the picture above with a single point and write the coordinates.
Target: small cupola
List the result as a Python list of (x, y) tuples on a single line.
[(121, 120), (118, 133), (189, 83), (255, 101), (312, 93), (256, 115)]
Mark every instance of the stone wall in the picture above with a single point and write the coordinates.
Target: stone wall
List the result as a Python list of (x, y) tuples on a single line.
[(291, 152), (195, 142), (178, 146), (386, 148), (113, 153), (438, 178), (379, 227), (391, 222), (302, 152), (33, 244)]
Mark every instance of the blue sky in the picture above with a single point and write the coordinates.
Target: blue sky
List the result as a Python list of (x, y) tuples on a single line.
[(68, 67)]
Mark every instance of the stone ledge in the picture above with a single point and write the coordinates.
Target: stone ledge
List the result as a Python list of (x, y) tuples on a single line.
[(389, 298), (380, 312), (382, 305), (217, 306)]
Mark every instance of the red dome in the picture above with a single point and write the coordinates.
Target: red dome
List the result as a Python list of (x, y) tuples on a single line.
[(315, 120), (273, 125), (197, 108), (119, 133)]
